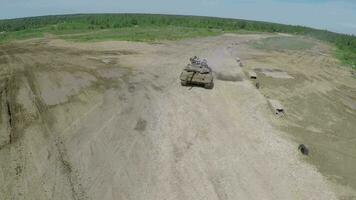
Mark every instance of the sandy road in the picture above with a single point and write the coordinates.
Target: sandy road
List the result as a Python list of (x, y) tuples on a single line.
[(130, 131)]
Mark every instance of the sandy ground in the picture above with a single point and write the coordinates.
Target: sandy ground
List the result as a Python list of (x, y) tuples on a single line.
[(110, 120)]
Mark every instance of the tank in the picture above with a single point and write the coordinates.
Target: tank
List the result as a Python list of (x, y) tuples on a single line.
[(197, 73)]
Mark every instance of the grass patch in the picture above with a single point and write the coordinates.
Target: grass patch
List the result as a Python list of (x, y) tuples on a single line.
[(20, 35), (347, 57), (283, 43), (81, 33), (143, 34)]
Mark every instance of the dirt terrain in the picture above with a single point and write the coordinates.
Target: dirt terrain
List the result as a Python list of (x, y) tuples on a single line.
[(110, 120)]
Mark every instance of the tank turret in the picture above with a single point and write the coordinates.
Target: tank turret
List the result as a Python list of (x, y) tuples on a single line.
[(197, 72)]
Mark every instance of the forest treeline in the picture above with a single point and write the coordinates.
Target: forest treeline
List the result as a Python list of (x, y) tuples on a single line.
[(345, 43)]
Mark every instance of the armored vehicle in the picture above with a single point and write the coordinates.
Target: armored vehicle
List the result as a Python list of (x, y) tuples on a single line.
[(197, 73)]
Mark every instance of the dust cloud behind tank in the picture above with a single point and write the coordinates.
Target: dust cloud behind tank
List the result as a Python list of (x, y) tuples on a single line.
[(197, 73)]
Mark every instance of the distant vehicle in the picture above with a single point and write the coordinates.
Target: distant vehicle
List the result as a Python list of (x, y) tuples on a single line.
[(197, 73)]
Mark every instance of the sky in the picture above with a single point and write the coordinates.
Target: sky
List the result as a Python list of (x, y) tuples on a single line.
[(334, 15)]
